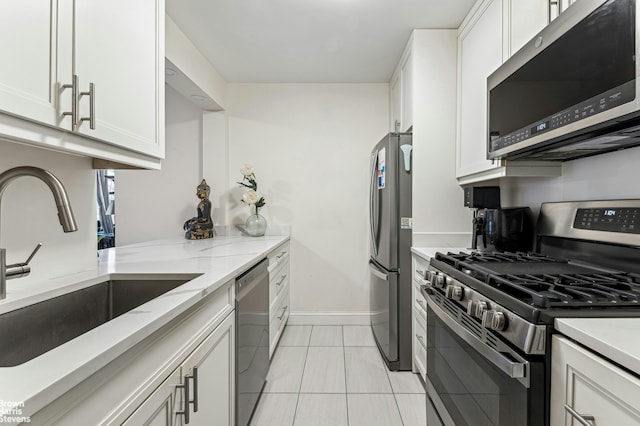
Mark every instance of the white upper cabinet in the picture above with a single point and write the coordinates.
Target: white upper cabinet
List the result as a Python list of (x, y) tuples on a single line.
[(117, 48), (492, 32), (121, 62), (27, 77), (479, 54), (524, 20), (401, 89)]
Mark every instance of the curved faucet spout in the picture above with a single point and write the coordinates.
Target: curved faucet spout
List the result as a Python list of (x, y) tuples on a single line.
[(65, 214)]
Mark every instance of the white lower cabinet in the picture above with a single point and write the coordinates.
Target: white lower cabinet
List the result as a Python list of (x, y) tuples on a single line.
[(279, 300), (201, 391), (161, 407), (187, 366), (586, 389), (419, 316)]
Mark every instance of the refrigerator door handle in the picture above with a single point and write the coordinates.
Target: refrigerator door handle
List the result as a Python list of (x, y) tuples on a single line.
[(373, 205), (377, 272)]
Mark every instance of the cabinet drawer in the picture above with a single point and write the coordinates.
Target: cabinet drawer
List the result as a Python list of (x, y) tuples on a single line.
[(278, 280), (279, 317), (584, 384), (420, 345), (420, 304), (279, 255)]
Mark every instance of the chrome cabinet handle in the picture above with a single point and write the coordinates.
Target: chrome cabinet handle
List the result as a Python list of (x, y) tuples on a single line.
[(421, 339), (283, 311), (194, 378), (422, 304), (282, 254), (583, 419), (185, 412), (92, 106), (74, 100), (279, 283)]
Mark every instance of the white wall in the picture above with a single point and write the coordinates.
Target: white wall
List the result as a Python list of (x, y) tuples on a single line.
[(310, 147), (153, 204), (29, 214), (607, 176)]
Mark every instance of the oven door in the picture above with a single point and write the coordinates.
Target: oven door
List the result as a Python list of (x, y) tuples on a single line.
[(471, 382)]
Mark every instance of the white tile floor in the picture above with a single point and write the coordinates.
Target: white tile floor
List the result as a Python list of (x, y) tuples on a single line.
[(335, 376)]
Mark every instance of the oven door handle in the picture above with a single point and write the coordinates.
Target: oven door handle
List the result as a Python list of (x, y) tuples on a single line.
[(515, 370)]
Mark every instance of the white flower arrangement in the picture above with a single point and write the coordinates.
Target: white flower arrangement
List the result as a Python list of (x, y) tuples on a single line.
[(251, 197)]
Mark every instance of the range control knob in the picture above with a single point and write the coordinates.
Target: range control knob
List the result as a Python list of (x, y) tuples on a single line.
[(494, 320), (428, 275), (454, 292), (438, 280), (476, 308)]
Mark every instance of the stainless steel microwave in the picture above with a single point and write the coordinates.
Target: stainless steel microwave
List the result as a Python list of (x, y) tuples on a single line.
[(573, 90)]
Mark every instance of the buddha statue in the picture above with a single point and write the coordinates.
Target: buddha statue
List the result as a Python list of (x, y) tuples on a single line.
[(201, 226)]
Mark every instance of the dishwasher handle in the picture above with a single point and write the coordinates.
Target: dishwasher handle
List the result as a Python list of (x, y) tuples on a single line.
[(252, 278)]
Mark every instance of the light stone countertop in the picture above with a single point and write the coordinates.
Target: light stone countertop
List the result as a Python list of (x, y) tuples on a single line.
[(615, 338), (40, 381)]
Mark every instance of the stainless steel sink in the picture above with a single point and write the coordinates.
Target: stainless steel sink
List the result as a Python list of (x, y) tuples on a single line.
[(35, 329)]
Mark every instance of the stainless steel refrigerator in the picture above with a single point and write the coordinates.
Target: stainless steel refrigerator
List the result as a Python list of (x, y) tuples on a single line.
[(390, 248)]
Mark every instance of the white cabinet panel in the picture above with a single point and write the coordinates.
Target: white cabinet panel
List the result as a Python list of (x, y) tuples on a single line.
[(407, 93), (279, 299), (161, 407), (586, 385), (524, 20), (480, 53), (214, 387), (117, 46), (28, 45), (123, 66), (396, 102)]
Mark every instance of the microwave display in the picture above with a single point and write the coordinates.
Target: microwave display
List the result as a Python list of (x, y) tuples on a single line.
[(589, 69)]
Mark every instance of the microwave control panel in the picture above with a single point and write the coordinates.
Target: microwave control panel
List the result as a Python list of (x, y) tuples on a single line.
[(611, 99), (614, 219)]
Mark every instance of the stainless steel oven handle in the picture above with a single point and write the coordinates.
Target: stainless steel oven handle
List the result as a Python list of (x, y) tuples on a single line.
[(512, 369), (377, 272), (583, 419)]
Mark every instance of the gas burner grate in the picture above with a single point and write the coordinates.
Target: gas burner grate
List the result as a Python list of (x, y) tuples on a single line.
[(545, 282), (571, 290)]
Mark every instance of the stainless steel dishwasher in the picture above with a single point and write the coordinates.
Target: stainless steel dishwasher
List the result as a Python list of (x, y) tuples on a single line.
[(252, 339)]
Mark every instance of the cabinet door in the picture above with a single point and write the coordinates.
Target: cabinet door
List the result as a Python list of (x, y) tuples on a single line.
[(119, 48), (396, 102), (161, 408), (523, 21), (27, 75), (407, 93), (480, 53), (213, 391), (586, 385)]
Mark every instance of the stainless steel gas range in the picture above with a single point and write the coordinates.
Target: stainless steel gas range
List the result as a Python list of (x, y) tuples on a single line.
[(490, 316)]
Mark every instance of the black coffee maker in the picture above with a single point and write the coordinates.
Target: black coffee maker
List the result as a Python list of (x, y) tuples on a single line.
[(501, 229)]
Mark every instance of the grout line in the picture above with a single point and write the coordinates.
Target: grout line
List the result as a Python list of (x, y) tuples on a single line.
[(304, 367), (346, 391)]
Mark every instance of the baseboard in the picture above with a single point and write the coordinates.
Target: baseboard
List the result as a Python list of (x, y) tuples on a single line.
[(329, 318)]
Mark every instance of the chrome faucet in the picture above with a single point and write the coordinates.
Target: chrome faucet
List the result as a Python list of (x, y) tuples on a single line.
[(65, 216)]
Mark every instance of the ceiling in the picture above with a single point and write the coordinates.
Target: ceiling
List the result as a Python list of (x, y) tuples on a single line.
[(309, 41)]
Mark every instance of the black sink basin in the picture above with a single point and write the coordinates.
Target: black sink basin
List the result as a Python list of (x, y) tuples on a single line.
[(35, 329)]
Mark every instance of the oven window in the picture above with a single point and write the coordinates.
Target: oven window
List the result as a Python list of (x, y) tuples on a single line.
[(474, 392)]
